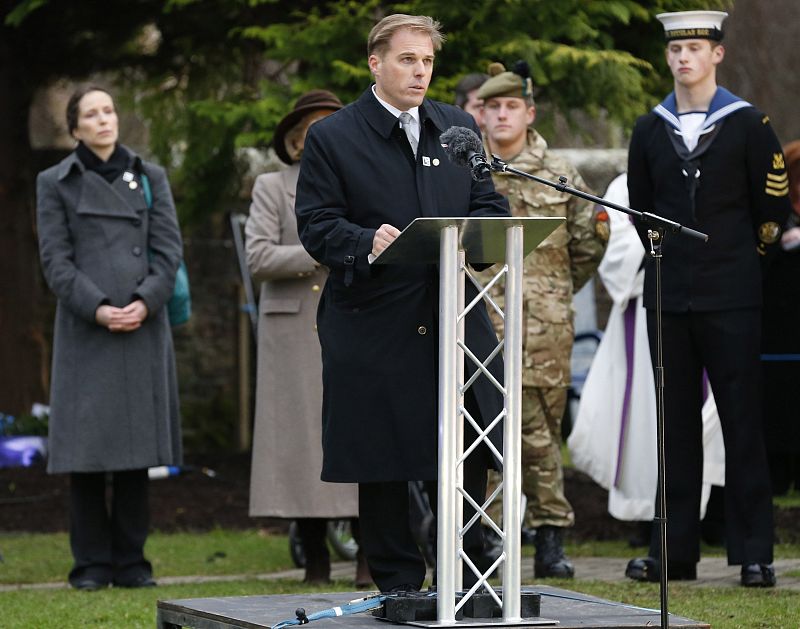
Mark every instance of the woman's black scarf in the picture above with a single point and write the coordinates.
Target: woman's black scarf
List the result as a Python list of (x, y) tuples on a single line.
[(110, 170)]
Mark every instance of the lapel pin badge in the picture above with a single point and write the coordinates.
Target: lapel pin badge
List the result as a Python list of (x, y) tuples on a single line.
[(127, 176), (426, 161)]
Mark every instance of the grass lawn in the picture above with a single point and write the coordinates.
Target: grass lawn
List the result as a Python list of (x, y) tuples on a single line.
[(120, 608), (724, 608), (43, 558), (37, 558)]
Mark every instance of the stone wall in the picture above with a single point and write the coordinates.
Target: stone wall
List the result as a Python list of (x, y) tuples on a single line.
[(597, 166)]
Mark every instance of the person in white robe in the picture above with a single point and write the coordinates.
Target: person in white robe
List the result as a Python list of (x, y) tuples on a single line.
[(613, 438)]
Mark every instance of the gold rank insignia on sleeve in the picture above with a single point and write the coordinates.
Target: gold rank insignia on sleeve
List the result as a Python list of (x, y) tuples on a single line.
[(769, 232), (778, 162), (765, 120), (777, 185)]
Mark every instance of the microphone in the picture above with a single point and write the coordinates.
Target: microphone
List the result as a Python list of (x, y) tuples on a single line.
[(464, 148)]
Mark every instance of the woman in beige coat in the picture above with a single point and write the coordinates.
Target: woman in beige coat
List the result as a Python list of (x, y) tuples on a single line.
[(287, 451)]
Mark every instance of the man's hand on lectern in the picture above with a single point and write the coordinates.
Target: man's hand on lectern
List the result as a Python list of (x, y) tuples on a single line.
[(384, 237)]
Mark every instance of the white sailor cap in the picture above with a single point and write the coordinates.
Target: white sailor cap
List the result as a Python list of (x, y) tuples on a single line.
[(692, 24)]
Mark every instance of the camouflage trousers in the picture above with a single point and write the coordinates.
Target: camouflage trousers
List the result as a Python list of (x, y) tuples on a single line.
[(542, 471)]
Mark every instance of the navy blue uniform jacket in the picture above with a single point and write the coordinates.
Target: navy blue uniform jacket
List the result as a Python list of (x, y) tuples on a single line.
[(378, 324), (741, 202)]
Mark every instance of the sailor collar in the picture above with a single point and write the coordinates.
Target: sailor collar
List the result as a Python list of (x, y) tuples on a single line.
[(723, 104)]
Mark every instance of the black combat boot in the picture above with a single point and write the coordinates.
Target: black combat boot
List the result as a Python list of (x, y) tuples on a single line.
[(550, 560)]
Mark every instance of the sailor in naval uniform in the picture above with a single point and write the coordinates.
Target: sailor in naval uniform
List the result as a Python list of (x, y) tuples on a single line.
[(709, 160)]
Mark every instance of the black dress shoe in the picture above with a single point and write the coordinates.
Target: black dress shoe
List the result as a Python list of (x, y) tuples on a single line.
[(88, 584), (758, 575), (90, 578), (136, 581), (643, 569), (648, 569)]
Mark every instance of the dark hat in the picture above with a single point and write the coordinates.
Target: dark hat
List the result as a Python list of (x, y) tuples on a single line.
[(692, 24), (505, 83), (308, 102)]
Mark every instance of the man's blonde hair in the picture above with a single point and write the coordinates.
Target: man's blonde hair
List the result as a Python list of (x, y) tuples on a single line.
[(382, 32)]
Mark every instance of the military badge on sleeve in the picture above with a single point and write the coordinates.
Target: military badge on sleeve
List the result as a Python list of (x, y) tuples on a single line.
[(601, 226), (769, 232), (777, 185)]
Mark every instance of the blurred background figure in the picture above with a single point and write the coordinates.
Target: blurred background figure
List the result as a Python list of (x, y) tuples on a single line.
[(287, 441), (781, 344), (110, 247), (467, 95)]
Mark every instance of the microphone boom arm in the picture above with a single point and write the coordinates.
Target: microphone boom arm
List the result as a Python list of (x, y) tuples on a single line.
[(653, 220)]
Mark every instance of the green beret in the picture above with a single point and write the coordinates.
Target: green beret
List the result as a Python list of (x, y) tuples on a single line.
[(505, 83)]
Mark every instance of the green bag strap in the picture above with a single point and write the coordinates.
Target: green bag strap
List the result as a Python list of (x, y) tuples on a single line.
[(148, 193)]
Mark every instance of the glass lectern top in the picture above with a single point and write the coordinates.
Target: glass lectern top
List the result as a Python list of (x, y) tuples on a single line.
[(483, 239)]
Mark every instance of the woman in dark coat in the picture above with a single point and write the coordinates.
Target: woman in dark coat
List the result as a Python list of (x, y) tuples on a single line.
[(111, 262)]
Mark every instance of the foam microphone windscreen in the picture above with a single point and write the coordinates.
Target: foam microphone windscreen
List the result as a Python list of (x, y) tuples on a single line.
[(460, 143)]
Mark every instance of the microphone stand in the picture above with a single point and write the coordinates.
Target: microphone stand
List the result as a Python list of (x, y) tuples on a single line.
[(658, 227)]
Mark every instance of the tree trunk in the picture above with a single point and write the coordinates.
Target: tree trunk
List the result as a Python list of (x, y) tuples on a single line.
[(762, 58), (24, 356)]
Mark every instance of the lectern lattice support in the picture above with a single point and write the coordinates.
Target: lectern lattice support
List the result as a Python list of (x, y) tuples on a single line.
[(454, 243)]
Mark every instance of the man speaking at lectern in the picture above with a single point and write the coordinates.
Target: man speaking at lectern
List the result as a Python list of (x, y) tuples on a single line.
[(367, 172)]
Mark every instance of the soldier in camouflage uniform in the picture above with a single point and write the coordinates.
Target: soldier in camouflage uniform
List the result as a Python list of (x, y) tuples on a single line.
[(559, 267)]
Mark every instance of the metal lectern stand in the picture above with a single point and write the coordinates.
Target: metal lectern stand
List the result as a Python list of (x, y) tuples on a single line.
[(453, 243)]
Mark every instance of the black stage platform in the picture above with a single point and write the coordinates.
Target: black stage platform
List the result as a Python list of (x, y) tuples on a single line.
[(571, 610)]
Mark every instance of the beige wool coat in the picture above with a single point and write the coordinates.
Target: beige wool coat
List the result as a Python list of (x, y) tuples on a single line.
[(287, 440)]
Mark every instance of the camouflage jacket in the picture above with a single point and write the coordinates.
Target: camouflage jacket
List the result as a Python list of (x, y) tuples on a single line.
[(558, 267)]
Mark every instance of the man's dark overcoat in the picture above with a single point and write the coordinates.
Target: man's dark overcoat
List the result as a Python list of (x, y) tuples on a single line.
[(113, 396), (378, 324)]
